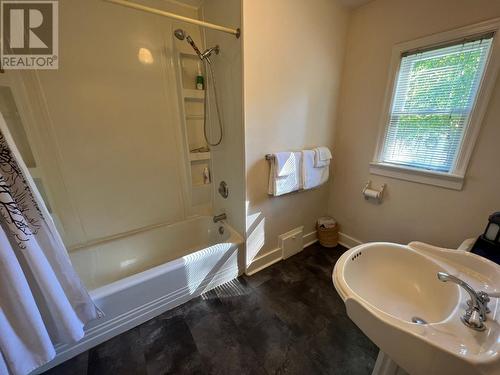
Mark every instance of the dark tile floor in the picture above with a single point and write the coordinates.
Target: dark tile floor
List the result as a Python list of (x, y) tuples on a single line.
[(286, 319)]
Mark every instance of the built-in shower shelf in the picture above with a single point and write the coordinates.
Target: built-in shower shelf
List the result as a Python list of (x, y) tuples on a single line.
[(190, 94), (202, 185), (187, 52), (195, 117), (196, 156)]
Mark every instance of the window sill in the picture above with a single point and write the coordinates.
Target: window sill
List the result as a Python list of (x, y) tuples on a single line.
[(445, 180)]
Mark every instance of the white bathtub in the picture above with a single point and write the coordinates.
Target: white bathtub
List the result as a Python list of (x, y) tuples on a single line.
[(134, 278)]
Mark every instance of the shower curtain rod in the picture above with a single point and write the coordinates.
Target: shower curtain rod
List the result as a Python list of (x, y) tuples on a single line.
[(163, 13)]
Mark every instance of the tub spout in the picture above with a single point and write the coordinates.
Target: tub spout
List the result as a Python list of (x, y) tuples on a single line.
[(220, 217)]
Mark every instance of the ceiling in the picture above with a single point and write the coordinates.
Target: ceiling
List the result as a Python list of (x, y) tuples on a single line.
[(349, 3), (193, 3), (354, 3)]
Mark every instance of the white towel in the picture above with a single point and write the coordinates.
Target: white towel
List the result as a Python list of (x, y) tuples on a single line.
[(322, 156), (311, 176), (284, 163), (326, 222), (285, 173)]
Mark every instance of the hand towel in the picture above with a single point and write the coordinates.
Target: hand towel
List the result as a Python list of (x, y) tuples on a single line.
[(285, 173), (284, 163), (312, 176), (322, 156)]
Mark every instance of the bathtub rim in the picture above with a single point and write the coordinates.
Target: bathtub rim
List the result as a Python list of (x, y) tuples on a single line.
[(235, 239), (75, 248)]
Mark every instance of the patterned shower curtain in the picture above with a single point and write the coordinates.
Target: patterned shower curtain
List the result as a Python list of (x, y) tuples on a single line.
[(42, 300)]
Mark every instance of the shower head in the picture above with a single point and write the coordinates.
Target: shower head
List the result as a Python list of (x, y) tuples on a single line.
[(180, 34)]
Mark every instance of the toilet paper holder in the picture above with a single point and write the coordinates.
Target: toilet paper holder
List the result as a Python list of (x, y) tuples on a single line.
[(368, 192)]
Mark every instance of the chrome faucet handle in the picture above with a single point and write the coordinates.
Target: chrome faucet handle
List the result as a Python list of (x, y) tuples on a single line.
[(219, 217), (485, 298), (472, 319), (475, 314)]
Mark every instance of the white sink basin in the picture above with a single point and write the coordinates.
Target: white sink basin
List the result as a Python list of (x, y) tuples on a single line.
[(387, 287)]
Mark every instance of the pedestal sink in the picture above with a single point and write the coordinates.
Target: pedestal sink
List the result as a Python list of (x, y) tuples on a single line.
[(393, 295)]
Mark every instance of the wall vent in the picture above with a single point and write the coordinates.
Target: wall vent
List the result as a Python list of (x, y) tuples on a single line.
[(292, 242)]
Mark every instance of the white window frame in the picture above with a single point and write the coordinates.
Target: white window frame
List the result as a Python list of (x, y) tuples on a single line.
[(455, 178)]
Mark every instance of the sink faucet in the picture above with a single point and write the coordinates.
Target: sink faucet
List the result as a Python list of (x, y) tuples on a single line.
[(220, 217), (475, 314)]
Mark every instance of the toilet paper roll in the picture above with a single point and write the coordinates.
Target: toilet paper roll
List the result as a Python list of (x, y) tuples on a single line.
[(370, 193)]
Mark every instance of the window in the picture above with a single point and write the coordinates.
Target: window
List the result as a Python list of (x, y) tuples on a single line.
[(433, 98), (435, 93)]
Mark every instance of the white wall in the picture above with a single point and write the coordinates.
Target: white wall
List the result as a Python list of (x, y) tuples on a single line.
[(410, 211), (293, 54)]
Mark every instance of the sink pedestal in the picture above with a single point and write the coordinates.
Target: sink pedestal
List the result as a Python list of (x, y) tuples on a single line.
[(386, 366)]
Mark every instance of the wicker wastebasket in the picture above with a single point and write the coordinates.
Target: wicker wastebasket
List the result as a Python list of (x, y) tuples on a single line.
[(328, 237)]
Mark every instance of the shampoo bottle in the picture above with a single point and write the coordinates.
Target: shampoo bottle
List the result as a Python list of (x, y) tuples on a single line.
[(200, 82), (206, 176)]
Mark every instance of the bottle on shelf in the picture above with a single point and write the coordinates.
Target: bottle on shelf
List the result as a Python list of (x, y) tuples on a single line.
[(206, 176), (200, 81)]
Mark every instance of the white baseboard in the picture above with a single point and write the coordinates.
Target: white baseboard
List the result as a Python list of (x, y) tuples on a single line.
[(275, 255), (348, 241), (310, 238), (264, 261)]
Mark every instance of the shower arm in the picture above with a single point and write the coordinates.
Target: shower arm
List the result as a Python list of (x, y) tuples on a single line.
[(236, 32)]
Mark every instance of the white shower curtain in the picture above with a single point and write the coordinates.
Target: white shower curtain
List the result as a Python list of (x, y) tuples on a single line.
[(42, 299)]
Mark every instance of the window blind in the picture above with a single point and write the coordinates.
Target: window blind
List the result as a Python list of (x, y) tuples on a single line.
[(434, 95)]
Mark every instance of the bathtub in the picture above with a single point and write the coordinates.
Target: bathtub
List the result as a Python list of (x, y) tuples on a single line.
[(137, 277)]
